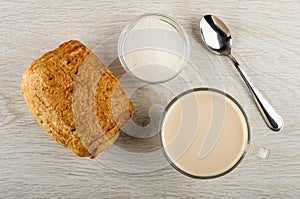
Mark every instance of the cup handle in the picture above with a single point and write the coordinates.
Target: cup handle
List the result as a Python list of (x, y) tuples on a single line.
[(258, 151)]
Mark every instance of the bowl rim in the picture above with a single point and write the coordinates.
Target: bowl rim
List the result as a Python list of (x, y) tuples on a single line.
[(166, 19)]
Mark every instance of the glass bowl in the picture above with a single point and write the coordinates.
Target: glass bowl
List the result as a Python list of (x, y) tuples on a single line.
[(153, 48)]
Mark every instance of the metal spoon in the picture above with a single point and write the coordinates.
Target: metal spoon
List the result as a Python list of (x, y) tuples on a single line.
[(217, 38)]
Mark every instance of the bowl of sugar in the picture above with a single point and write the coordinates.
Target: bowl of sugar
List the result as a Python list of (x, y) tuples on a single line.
[(153, 48)]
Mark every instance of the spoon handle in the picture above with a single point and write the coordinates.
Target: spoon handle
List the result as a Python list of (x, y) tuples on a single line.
[(271, 117)]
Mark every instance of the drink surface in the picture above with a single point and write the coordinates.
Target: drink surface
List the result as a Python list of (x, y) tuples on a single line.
[(204, 133)]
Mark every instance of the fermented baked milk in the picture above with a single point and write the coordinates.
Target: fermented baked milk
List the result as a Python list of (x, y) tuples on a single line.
[(204, 133)]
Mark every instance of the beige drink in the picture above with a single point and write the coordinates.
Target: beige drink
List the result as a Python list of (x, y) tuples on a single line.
[(204, 133)]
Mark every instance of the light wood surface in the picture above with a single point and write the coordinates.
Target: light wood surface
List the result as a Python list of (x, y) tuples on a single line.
[(266, 42)]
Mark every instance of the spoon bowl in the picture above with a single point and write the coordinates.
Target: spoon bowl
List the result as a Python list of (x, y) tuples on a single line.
[(216, 35), (217, 38)]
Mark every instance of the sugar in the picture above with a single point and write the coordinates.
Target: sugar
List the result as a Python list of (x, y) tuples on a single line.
[(154, 50)]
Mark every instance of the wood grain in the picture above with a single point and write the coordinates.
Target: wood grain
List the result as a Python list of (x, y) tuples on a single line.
[(266, 42)]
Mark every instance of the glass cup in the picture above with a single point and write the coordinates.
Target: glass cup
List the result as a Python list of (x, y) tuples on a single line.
[(205, 133)]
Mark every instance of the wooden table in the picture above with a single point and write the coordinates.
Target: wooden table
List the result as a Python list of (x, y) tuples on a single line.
[(266, 42)]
